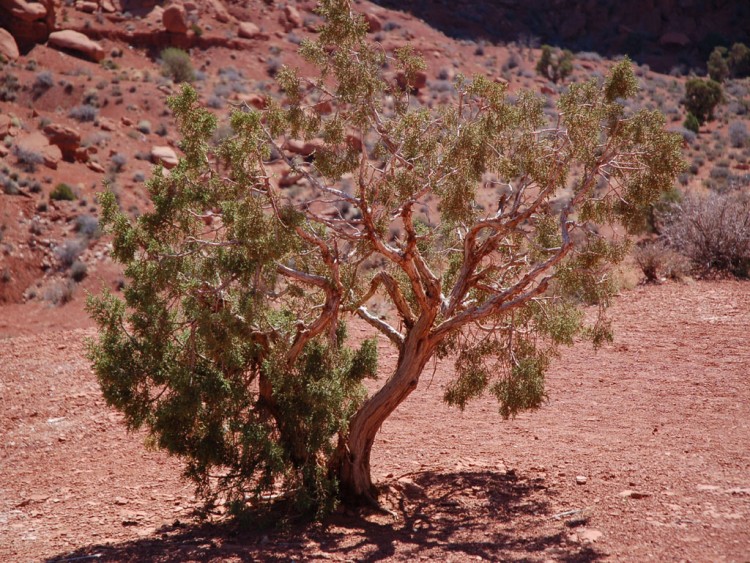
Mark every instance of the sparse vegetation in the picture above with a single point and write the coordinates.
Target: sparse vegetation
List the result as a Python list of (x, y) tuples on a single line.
[(712, 231), (701, 97), (555, 64), (62, 192), (84, 113), (176, 64)]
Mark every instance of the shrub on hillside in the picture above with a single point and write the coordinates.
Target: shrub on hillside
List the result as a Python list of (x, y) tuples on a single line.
[(176, 64), (84, 113), (712, 231), (62, 192), (701, 97), (555, 64), (658, 261), (27, 159)]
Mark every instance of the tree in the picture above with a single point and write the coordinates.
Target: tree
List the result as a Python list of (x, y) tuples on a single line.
[(701, 97), (718, 66), (477, 222), (555, 64)]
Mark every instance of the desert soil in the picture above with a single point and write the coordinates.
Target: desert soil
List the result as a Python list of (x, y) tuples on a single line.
[(642, 453)]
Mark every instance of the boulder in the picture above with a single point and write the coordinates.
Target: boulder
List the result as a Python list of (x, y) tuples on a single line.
[(374, 24), (291, 18), (37, 143), (26, 11), (30, 23), (418, 82), (248, 30), (165, 156), (174, 19), (8, 46), (220, 12), (78, 42), (66, 138)]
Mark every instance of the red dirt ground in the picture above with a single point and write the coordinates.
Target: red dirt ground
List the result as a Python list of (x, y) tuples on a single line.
[(657, 425)]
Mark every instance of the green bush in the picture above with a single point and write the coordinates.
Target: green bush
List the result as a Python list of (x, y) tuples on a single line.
[(701, 97), (176, 64), (555, 64), (62, 192), (691, 123)]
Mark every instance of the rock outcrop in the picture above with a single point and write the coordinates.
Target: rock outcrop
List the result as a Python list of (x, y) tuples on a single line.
[(28, 22), (66, 138), (174, 19), (165, 156), (8, 47), (77, 42)]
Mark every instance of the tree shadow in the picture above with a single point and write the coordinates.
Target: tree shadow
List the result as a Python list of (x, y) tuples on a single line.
[(467, 514)]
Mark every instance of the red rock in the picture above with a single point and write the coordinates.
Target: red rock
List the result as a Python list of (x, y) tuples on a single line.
[(36, 142), (373, 23), (75, 41), (106, 124), (174, 19), (8, 47), (419, 81), (66, 138), (291, 18), (248, 30), (220, 12), (165, 156), (26, 11), (304, 148), (95, 166), (255, 100), (324, 108)]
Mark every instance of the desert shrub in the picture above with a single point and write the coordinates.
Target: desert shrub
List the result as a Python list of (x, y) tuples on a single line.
[(78, 271), (27, 159), (555, 64), (687, 134), (118, 161), (215, 102), (84, 113), (176, 64), (10, 186), (701, 97), (87, 226), (658, 261), (144, 126), (738, 134), (69, 251), (62, 192), (9, 85), (60, 293), (43, 81), (712, 231)]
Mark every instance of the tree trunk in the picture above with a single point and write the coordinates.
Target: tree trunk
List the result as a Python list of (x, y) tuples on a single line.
[(352, 460)]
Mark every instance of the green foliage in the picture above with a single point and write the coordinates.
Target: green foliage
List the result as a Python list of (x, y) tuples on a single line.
[(555, 64), (229, 345), (176, 64), (717, 65), (62, 192), (691, 123), (723, 62), (701, 97)]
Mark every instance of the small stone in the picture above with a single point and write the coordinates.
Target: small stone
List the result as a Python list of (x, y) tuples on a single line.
[(581, 480), (589, 534), (121, 501)]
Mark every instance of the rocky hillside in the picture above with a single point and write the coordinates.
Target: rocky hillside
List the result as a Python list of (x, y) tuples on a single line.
[(83, 91)]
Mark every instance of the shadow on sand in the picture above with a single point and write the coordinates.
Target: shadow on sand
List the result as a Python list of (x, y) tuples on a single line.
[(480, 515)]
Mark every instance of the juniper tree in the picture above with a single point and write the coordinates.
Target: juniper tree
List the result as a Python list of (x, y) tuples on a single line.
[(478, 222)]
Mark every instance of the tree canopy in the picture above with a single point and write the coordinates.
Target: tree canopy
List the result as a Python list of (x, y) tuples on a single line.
[(479, 223)]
